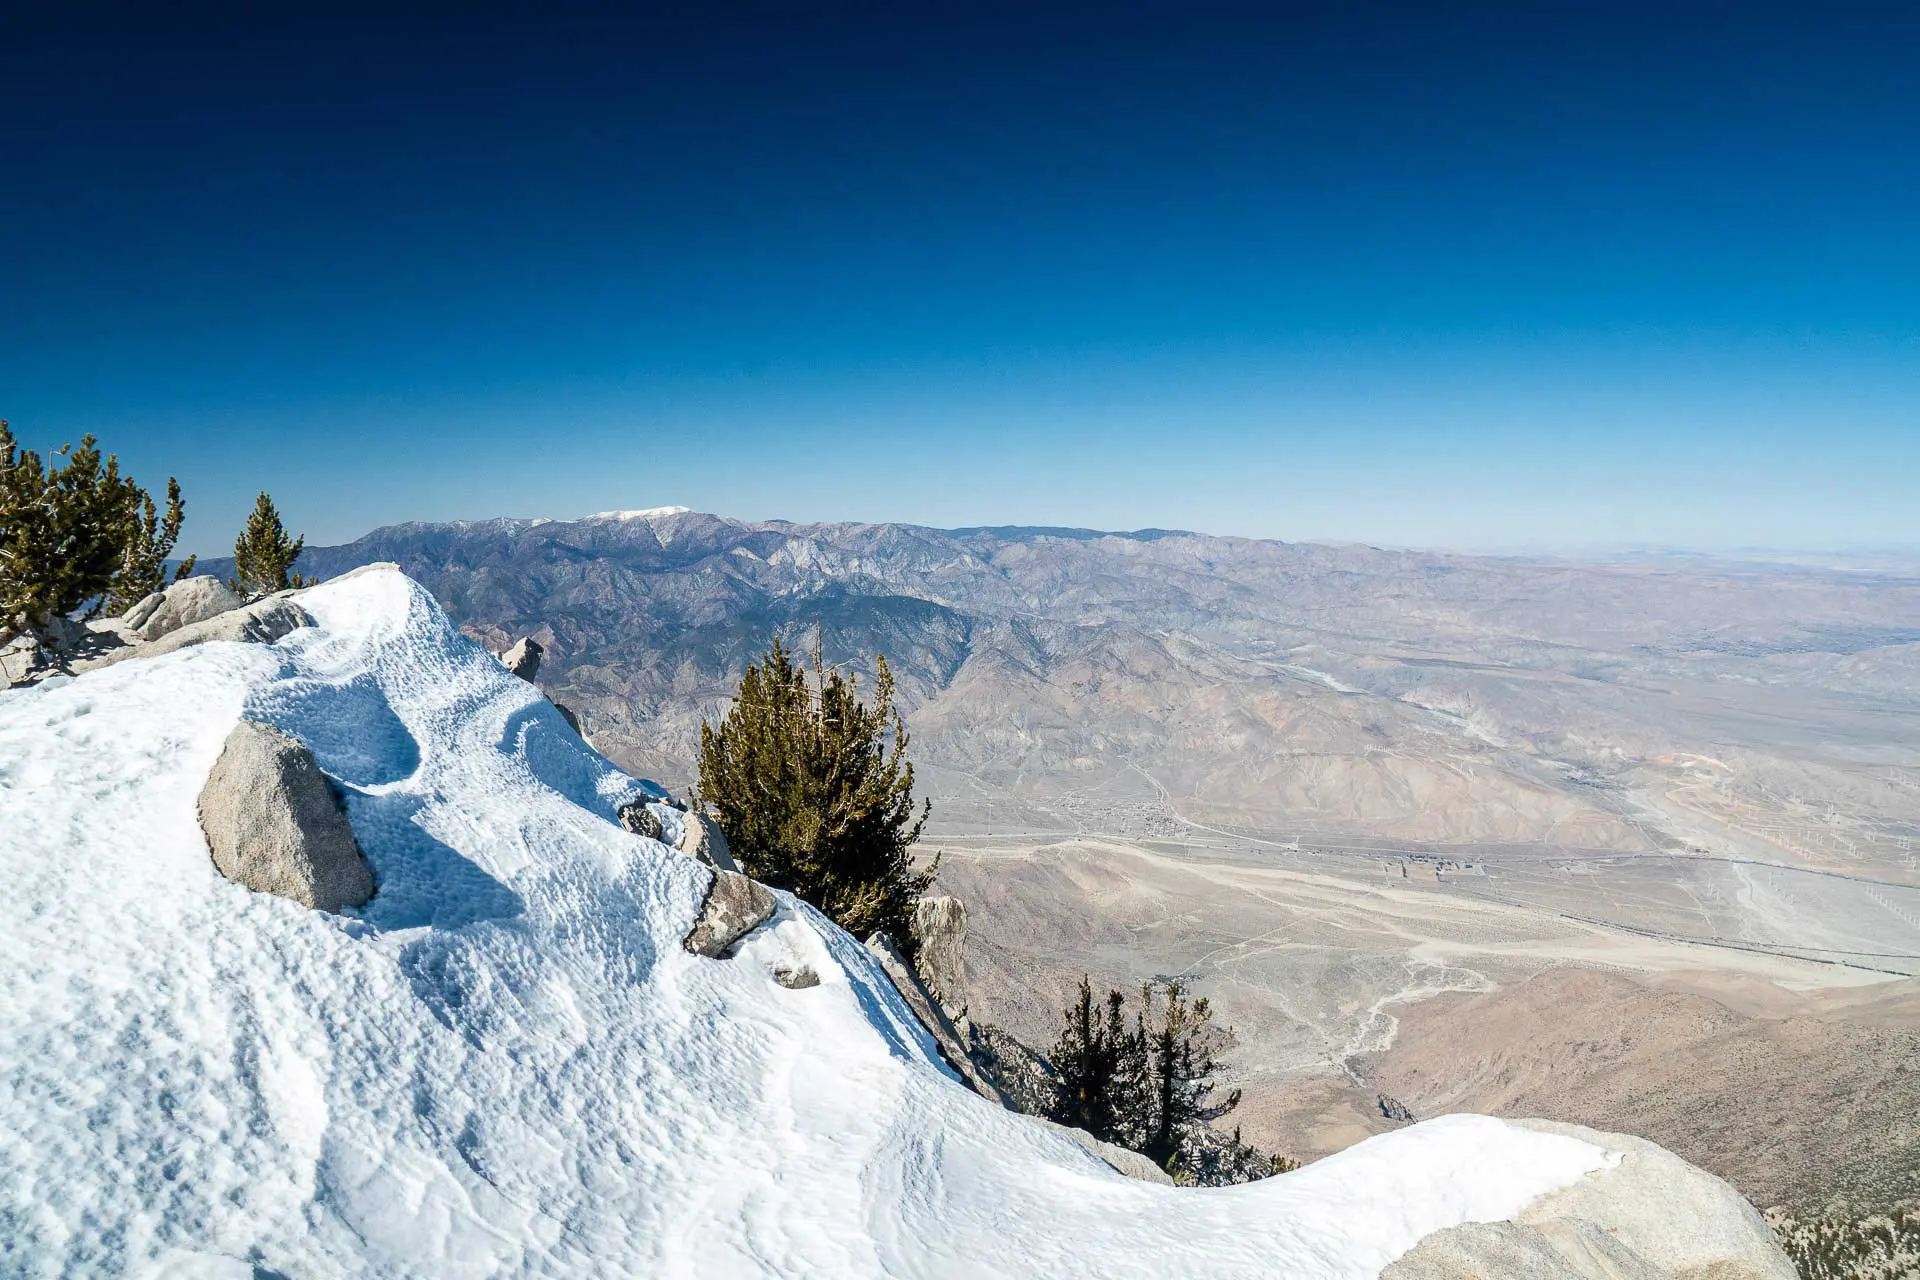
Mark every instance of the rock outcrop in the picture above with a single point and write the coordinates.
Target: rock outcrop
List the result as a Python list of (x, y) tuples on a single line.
[(274, 823), (137, 617), (932, 1017), (637, 818), (1652, 1216), (735, 907), (941, 925), (262, 622), (702, 840), (524, 659), (22, 659), (186, 602)]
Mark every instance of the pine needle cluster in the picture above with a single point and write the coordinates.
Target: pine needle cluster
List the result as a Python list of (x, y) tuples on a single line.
[(150, 539), (75, 532), (1148, 1084), (815, 792)]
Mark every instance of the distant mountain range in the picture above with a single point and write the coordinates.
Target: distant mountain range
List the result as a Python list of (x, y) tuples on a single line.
[(1253, 685)]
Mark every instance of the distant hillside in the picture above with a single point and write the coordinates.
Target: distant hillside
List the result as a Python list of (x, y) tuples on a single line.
[(1253, 684)]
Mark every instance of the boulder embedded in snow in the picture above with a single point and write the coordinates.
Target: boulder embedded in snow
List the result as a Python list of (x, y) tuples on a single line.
[(637, 818), (702, 840), (933, 1018), (186, 602), (1651, 1216), (735, 907), (797, 977), (523, 659), (941, 925), (274, 824)]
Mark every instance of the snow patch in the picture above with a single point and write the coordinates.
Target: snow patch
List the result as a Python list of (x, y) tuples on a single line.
[(643, 513)]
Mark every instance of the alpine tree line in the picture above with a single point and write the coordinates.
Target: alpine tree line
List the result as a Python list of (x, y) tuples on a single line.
[(79, 537), (814, 791)]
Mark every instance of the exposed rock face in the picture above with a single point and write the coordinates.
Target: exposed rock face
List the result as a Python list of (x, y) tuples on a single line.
[(64, 633), (933, 1018), (1023, 1075), (21, 659), (1651, 1217), (274, 824), (637, 818), (1121, 1160), (735, 907), (137, 617), (524, 659), (186, 602), (941, 924), (262, 622), (702, 840)]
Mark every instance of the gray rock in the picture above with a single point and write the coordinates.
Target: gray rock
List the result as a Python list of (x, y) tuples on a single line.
[(137, 617), (735, 907), (1121, 1160), (524, 659), (187, 602), (941, 925), (637, 818), (933, 1018), (21, 660), (262, 622), (63, 634), (702, 840), (274, 824), (1651, 1217), (796, 977)]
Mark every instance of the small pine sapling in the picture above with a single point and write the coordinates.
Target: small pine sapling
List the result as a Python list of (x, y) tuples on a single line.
[(263, 554)]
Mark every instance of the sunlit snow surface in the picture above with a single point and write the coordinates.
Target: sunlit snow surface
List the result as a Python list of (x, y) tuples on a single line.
[(506, 1064)]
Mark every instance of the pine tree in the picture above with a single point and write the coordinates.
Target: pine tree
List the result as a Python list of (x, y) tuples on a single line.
[(143, 565), (1097, 1061), (1150, 1087), (263, 555), (1180, 1068), (815, 793), (64, 530)]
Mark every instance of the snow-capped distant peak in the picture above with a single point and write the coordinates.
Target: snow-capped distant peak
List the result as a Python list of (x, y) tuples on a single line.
[(644, 513)]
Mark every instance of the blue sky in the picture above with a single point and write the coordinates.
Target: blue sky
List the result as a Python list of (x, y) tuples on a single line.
[(1548, 277)]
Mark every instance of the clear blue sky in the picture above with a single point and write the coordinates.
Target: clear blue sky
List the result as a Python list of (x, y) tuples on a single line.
[(1534, 275)]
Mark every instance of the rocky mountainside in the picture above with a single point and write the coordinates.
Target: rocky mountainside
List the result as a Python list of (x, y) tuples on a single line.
[(1065, 680)]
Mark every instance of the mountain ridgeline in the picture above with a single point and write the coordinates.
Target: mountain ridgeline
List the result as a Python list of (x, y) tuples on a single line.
[(1242, 682)]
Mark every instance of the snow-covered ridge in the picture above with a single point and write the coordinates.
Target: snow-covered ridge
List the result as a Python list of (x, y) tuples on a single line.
[(506, 1064), (643, 513)]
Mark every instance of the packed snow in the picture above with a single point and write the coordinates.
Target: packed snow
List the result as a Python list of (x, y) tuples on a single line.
[(506, 1064)]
